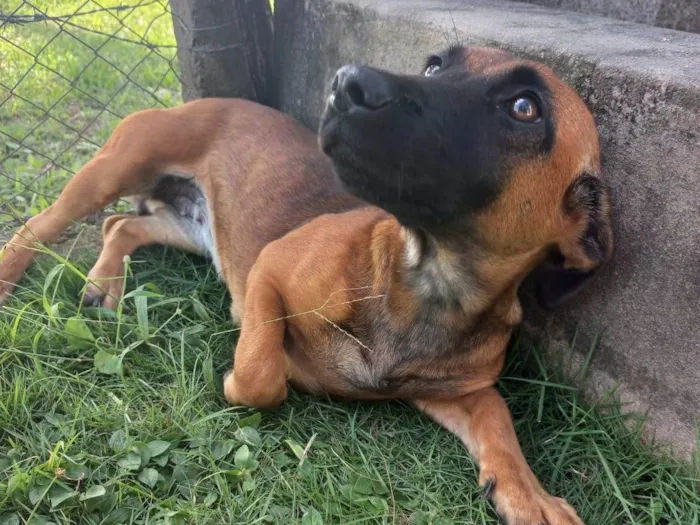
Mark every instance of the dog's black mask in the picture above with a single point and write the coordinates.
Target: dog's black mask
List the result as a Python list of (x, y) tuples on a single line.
[(433, 147)]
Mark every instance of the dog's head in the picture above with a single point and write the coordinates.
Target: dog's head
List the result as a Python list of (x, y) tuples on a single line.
[(480, 144)]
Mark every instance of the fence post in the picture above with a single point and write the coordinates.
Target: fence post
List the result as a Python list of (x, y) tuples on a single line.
[(225, 48)]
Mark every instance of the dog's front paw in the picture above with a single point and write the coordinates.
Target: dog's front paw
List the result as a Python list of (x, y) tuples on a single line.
[(254, 393), (520, 500), (230, 389)]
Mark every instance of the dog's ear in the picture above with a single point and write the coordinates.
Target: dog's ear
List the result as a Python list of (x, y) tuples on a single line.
[(577, 257)]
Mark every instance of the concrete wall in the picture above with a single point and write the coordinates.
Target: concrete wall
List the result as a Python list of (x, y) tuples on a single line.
[(643, 85), (683, 15)]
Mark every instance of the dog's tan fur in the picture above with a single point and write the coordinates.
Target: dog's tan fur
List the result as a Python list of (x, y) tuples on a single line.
[(309, 266)]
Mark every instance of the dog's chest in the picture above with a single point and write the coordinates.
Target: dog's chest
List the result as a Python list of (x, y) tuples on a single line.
[(373, 356)]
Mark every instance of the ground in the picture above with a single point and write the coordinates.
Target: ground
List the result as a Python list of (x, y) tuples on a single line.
[(119, 417)]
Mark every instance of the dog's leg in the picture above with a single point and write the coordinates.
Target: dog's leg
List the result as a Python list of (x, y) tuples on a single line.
[(131, 161), (95, 186), (259, 375), (123, 234), (483, 423)]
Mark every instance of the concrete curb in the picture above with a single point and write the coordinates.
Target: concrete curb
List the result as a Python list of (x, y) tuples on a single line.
[(683, 15), (643, 85)]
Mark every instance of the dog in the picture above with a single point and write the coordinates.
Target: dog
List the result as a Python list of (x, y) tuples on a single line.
[(384, 264)]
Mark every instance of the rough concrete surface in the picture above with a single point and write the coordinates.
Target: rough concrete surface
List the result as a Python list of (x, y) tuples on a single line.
[(643, 85), (683, 15)]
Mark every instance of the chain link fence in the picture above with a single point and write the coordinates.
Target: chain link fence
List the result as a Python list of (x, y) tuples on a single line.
[(69, 71)]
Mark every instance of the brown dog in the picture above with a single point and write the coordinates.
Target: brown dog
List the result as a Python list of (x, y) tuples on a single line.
[(386, 268)]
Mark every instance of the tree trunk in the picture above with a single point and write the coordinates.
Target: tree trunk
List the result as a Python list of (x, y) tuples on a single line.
[(225, 48)]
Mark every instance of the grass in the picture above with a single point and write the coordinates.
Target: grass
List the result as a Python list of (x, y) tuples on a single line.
[(65, 84), (119, 418)]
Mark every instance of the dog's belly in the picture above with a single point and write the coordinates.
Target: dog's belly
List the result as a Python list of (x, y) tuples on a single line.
[(182, 198)]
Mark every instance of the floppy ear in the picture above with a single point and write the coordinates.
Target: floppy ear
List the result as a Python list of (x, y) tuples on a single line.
[(576, 259)]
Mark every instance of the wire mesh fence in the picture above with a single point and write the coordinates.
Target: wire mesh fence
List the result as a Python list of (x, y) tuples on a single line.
[(69, 71)]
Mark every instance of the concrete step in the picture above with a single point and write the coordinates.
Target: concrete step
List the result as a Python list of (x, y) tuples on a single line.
[(683, 15), (643, 85)]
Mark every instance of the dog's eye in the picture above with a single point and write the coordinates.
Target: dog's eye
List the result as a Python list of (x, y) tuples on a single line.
[(433, 66), (524, 109)]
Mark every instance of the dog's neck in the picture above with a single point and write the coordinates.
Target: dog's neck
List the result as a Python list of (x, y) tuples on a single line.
[(460, 275), (435, 274)]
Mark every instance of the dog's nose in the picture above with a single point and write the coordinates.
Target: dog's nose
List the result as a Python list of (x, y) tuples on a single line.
[(359, 87)]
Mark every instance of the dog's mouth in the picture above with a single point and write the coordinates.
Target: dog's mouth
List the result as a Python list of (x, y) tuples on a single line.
[(344, 139), (382, 148), (345, 131), (418, 148), (365, 150), (355, 150), (329, 129), (359, 95)]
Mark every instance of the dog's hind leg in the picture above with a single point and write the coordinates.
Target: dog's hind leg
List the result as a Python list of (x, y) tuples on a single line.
[(94, 187), (123, 234), (143, 147)]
